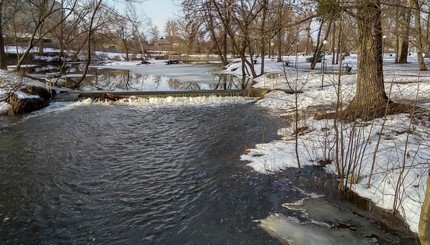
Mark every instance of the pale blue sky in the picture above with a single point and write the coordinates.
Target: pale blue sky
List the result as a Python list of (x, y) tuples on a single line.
[(159, 11)]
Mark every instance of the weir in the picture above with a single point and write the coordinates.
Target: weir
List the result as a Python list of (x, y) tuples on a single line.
[(113, 95)]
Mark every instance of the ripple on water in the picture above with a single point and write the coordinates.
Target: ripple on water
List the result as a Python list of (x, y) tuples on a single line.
[(124, 174)]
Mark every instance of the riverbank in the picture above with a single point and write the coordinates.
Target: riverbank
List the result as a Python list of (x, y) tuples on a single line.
[(397, 183), (397, 146)]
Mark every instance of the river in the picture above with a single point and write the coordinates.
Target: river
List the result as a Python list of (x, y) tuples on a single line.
[(102, 173), (133, 174)]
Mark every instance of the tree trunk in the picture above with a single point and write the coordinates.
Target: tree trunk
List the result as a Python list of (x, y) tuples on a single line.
[(317, 48), (40, 41), (3, 65), (91, 29), (333, 45), (220, 43), (404, 35), (370, 99), (427, 36), (279, 59), (320, 43), (418, 35), (263, 41), (308, 39), (424, 225), (124, 43)]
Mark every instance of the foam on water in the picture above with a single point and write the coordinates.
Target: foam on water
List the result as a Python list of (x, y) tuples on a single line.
[(176, 101), (137, 101)]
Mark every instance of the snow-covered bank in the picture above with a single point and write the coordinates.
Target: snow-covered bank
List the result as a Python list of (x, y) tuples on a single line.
[(10, 81), (401, 143)]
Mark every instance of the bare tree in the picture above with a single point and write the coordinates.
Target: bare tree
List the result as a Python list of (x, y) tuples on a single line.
[(95, 6), (154, 32), (135, 23), (41, 11)]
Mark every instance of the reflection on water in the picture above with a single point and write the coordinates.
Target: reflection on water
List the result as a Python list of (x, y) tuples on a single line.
[(111, 79), (140, 78), (231, 82)]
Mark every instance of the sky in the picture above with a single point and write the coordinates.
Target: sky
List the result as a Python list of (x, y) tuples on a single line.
[(159, 11)]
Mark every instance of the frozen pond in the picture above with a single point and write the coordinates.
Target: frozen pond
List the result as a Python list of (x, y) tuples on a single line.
[(158, 76), (137, 80)]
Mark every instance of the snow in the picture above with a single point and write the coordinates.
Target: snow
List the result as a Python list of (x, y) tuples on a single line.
[(3, 107), (401, 159), (402, 149), (183, 72)]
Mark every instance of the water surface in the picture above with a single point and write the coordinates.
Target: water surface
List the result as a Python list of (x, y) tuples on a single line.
[(128, 174)]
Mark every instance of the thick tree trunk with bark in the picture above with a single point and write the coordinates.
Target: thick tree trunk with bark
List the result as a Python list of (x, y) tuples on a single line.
[(424, 225), (370, 100), (370, 95)]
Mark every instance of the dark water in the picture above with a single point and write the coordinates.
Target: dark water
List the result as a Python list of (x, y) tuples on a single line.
[(116, 174), (120, 174)]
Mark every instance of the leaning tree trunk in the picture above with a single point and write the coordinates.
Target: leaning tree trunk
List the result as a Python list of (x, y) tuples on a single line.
[(370, 98), (320, 44), (424, 225), (317, 48)]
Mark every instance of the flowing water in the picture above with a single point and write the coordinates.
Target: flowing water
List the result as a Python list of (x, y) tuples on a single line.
[(124, 174), (152, 174)]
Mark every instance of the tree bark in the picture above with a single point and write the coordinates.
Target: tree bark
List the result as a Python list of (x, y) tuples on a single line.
[(91, 30), (333, 45), (3, 64), (263, 33), (279, 36), (418, 34), (308, 39), (370, 100), (320, 44), (405, 22), (424, 225), (221, 42)]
